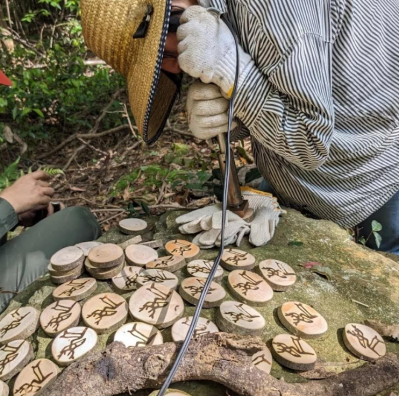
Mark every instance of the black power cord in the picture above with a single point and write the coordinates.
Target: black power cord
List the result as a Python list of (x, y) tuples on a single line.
[(201, 300)]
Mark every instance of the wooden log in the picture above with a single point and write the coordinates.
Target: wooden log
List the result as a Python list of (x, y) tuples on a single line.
[(220, 357), (67, 259)]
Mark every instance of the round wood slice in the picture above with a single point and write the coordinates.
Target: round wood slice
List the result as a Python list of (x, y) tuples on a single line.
[(164, 278), (60, 279), (137, 334), (75, 290), (4, 390), (202, 269), (14, 356), (19, 324), (157, 305), (248, 287), (236, 317), (302, 320), (171, 392), (105, 312), (60, 316), (131, 226), (87, 246), (106, 256), (180, 328), (107, 273), (91, 269), (140, 255), (53, 272), (263, 360), (293, 352), (72, 344), (280, 276), (191, 289), (179, 247), (67, 259), (168, 263), (126, 279), (364, 342), (35, 377), (233, 259)]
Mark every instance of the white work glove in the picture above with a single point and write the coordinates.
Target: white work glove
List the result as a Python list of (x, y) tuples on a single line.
[(207, 110), (207, 49), (207, 222)]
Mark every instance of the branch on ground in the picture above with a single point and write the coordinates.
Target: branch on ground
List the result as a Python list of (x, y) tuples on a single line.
[(223, 358)]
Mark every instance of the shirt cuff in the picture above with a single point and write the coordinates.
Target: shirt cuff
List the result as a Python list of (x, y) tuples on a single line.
[(252, 94), (8, 217)]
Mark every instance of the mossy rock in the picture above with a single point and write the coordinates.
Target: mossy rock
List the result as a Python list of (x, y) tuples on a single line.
[(364, 285)]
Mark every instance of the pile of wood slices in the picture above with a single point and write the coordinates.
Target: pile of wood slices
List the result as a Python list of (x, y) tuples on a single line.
[(157, 303)]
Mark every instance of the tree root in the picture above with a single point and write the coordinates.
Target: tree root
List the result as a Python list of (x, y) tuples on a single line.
[(223, 358)]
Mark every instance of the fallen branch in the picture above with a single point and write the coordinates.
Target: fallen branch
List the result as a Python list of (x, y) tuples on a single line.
[(112, 217), (223, 358)]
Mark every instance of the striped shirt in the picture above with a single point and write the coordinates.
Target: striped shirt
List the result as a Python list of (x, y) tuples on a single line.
[(321, 102)]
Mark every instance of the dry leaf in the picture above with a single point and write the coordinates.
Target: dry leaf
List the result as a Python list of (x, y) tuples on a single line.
[(77, 189), (391, 331), (311, 264), (8, 134)]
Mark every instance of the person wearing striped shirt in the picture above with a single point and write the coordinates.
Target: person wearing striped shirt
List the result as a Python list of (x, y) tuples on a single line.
[(318, 93)]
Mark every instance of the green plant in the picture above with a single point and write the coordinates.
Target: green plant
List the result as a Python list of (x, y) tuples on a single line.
[(376, 227)]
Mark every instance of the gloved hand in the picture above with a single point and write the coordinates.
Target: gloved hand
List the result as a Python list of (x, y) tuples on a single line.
[(208, 221), (207, 110), (207, 49)]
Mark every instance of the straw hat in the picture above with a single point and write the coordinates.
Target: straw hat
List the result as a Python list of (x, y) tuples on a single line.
[(108, 29)]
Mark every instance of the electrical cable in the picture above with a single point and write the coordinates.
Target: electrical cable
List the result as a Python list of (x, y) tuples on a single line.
[(201, 300)]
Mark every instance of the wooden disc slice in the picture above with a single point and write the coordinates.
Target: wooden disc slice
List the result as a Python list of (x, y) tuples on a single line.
[(85, 247), (191, 289), (248, 287), (54, 272), (131, 226), (75, 290), (233, 259), (72, 344), (186, 249), (35, 377), (105, 312), (164, 278), (236, 317), (364, 342), (126, 279), (302, 319), (59, 316), (168, 263), (293, 352), (67, 258), (19, 324), (263, 360), (138, 335), (4, 390), (140, 255), (106, 256), (14, 356), (157, 305), (171, 392), (202, 269), (107, 273), (280, 276), (180, 328), (74, 274)]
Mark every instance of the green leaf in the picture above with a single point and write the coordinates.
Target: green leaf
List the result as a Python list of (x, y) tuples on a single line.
[(376, 226), (145, 208), (295, 243), (39, 112), (362, 240), (14, 113), (378, 239), (26, 111)]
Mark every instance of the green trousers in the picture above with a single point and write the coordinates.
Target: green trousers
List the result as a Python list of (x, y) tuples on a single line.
[(26, 257)]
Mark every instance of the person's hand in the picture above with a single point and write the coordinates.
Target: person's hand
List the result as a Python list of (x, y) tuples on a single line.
[(206, 110), (31, 192), (207, 49)]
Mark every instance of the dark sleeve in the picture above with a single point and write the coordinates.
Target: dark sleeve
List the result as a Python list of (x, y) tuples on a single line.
[(8, 217)]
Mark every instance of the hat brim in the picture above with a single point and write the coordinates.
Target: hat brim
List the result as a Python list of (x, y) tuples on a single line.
[(108, 32)]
